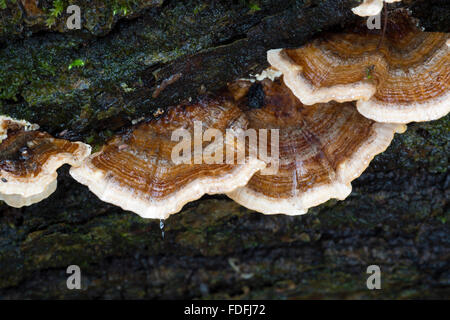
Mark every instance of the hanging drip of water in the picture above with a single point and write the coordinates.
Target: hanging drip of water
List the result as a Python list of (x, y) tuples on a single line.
[(161, 226)]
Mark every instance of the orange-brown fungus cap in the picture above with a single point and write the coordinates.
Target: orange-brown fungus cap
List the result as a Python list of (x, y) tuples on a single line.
[(137, 172), (322, 148), (29, 160), (405, 78)]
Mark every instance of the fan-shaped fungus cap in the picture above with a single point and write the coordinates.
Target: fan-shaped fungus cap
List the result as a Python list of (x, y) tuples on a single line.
[(370, 7), (137, 171), (322, 148), (406, 78), (29, 160)]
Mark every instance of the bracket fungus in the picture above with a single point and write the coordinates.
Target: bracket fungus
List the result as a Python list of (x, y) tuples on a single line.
[(402, 79), (371, 7), (29, 159), (322, 148), (138, 170)]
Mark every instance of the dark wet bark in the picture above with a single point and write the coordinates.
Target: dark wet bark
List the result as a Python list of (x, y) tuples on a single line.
[(397, 216)]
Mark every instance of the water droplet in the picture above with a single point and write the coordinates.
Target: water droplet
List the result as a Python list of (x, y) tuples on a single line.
[(161, 226)]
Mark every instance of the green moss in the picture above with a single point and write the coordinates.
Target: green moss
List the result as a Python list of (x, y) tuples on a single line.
[(90, 139), (41, 71), (254, 7), (123, 7), (444, 218), (55, 12), (369, 73), (199, 8), (427, 145), (76, 63)]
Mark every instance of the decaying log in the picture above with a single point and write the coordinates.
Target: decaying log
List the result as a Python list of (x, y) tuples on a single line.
[(397, 216)]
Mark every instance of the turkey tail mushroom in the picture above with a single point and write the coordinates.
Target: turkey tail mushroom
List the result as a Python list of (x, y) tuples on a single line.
[(137, 170), (29, 159), (322, 148), (403, 79)]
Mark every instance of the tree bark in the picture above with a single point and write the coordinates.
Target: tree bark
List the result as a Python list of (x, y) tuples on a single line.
[(397, 216)]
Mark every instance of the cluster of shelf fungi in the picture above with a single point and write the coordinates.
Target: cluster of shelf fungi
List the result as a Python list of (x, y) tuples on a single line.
[(336, 103)]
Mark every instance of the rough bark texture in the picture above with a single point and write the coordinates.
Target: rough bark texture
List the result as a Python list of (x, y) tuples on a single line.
[(397, 216)]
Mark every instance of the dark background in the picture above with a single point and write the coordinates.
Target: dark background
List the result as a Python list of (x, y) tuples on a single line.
[(397, 216)]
